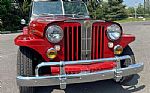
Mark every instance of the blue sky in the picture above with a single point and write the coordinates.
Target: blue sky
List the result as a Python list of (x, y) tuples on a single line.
[(130, 3)]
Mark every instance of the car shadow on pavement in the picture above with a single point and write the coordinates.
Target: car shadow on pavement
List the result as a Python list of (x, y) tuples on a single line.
[(105, 86)]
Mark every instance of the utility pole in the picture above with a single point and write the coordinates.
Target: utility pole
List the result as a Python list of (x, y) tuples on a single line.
[(144, 7), (135, 10), (135, 14)]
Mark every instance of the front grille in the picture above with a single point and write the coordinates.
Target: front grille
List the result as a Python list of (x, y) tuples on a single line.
[(83, 45), (97, 41), (72, 42)]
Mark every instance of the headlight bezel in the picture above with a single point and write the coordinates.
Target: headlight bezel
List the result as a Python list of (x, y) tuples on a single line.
[(120, 32), (51, 29)]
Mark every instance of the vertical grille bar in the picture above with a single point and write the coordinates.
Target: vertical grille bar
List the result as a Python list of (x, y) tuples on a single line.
[(103, 33), (70, 43), (93, 41), (77, 44), (97, 40), (68, 40), (65, 44), (73, 43)]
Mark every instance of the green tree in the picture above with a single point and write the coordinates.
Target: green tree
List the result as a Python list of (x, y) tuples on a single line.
[(111, 10), (24, 8), (116, 10), (130, 11), (9, 15), (96, 9), (140, 9), (147, 7)]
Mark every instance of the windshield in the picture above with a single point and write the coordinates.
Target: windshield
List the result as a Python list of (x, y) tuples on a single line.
[(47, 8), (58, 8), (75, 8)]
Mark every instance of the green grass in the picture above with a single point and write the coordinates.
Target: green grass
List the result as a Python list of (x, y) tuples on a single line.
[(132, 20)]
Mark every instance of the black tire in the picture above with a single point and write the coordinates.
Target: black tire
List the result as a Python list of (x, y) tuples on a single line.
[(25, 67), (126, 63)]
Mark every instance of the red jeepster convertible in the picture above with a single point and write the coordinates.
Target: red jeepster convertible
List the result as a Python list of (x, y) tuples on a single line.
[(62, 45)]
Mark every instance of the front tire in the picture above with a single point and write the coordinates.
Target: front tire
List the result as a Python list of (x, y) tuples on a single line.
[(126, 63), (25, 67)]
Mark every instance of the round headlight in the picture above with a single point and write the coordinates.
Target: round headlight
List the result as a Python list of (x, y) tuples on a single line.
[(54, 34), (114, 32)]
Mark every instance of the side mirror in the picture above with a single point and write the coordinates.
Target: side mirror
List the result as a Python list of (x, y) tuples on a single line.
[(23, 21)]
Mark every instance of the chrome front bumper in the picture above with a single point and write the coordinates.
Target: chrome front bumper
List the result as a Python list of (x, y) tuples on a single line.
[(63, 79)]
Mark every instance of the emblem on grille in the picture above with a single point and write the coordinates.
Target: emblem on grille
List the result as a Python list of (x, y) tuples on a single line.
[(87, 23)]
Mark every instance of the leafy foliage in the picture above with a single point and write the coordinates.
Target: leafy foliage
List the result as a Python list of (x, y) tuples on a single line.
[(139, 10), (95, 9), (9, 15), (131, 11), (113, 10), (116, 10), (24, 8)]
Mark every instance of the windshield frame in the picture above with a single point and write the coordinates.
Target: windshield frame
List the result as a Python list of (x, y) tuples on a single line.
[(63, 10)]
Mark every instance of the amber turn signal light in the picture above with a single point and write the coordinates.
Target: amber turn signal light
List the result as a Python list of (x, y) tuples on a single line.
[(118, 50), (51, 53)]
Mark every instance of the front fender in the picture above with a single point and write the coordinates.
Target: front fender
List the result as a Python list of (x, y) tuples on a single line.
[(38, 44), (125, 40)]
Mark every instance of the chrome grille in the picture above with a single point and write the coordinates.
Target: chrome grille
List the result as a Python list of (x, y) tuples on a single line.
[(82, 43), (86, 38)]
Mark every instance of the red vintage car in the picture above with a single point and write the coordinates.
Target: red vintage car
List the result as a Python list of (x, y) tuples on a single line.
[(62, 45)]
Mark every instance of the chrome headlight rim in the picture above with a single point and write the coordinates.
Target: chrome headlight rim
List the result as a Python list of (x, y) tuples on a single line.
[(51, 29), (120, 32)]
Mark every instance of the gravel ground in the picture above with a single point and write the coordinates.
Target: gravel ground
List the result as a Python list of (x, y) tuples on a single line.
[(140, 83)]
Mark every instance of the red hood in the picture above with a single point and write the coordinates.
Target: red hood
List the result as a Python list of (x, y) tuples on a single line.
[(37, 26), (57, 18)]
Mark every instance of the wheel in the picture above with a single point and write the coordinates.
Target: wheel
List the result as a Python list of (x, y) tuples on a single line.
[(126, 63), (25, 67)]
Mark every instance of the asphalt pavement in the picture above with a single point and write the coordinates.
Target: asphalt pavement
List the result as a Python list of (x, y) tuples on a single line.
[(140, 83)]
